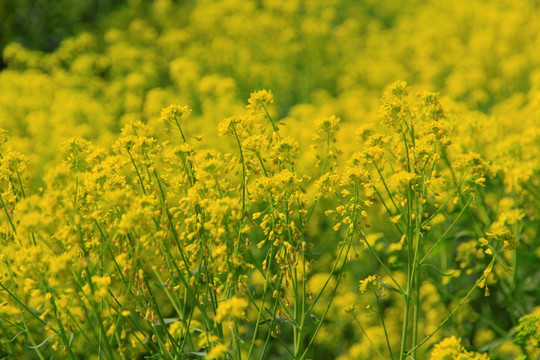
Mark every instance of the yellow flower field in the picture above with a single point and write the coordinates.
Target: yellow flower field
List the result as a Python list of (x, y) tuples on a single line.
[(270, 179)]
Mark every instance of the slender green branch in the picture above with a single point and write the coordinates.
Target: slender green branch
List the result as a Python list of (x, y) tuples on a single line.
[(453, 311)]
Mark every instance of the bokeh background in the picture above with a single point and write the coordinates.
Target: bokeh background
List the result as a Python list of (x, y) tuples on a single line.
[(88, 68)]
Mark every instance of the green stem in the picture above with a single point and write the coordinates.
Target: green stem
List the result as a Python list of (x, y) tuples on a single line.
[(453, 311), (137, 171), (416, 308), (385, 185), (321, 320), (441, 238), (261, 309), (367, 337), (383, 265), (381, 317), (274, 127), (7, 214), (410, 273)]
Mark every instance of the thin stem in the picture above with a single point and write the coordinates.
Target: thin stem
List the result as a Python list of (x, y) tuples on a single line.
[(274, 127), (441, 238), (261, 309), (385, 185), (367, 337), (381, 316), (321, 321), (383, 265), (7, 214), (453, 311)]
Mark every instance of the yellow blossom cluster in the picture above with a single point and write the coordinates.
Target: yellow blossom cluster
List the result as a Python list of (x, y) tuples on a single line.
[(158, 200)]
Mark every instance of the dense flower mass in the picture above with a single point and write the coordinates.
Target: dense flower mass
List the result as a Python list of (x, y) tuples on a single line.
[(228, 179)]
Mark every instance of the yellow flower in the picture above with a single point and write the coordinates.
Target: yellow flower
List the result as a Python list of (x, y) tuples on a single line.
[(218, 352), (371, 281), (326, 126), (228, 126), (232, 309), (174, 113), (451, 348), (100, 286), (260, 99), (3, 136)]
